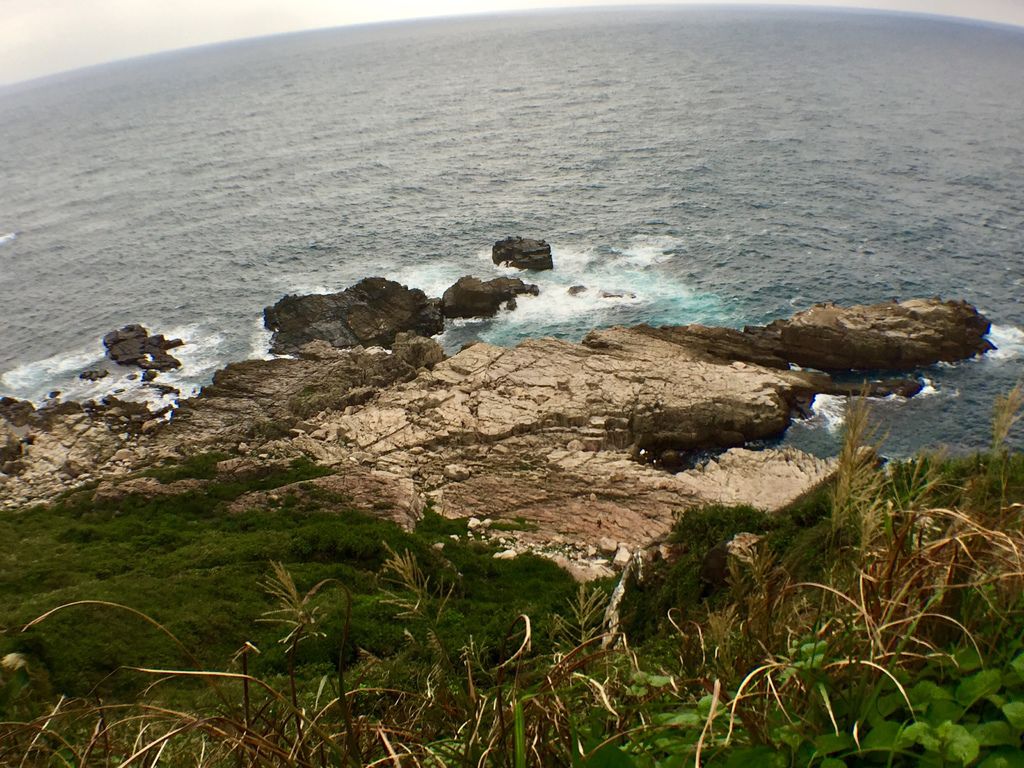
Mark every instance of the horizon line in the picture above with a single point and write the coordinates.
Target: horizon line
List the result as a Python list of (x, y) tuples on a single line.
[(674, 6)]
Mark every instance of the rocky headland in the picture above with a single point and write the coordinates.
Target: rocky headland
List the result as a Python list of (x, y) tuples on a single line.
[(574, 450)]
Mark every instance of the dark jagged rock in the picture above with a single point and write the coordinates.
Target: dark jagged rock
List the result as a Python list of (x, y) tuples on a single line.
[(522, 253), (94, 374), (882, 388), (369, 313), (576, 290), (473, 297), (149, 375), (132, 345)]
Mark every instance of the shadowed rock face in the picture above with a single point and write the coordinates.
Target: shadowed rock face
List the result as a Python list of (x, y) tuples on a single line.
[(473, 297), (522, 253), (370, 313)]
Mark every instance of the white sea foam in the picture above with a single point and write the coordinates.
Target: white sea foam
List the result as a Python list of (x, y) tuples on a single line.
[(829, 412), (1008, 340), (10, 237), (928, 389), (259, 342), (33, 380)]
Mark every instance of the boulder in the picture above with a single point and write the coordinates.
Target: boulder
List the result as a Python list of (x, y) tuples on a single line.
[(522, 253), (132, 345), (473, 297), (888, 336), (370, 313), (576, 290), (94, 374), (417, 351)]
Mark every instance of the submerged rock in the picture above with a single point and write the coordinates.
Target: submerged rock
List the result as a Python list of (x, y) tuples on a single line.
[(473, 297), (522, 253), (132, 345), (370, 313)]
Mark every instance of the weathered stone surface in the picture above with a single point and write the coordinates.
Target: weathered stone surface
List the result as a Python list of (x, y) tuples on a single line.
[(522, 253), (370, 313), (473, 297), (259, 400), (486, 434), (132, 345), (94, 374), (888, 336)]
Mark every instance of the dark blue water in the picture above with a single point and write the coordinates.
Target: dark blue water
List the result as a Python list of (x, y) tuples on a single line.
[(726, 166)]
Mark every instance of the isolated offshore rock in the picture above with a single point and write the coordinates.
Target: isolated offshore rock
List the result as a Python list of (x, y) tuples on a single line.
[(473, 297), (522, 253), (132, 345), (369, 313)]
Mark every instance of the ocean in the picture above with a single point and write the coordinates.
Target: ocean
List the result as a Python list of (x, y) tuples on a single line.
[(726, 166)]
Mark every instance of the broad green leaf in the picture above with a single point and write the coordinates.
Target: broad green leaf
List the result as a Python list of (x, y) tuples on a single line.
[(967, 660), (922, 734), (978, 686), (1014, 714), (609, 756), (830, 743), (958, 743), (831, 762), (926, 691), (1017, 665), (941, 711), (684, 718), (889, 703), (704, 706), (883, 736), (995, 733), (756, 757), (1004, 757)]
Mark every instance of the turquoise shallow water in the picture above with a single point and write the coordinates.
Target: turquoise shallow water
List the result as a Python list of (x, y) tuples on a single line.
[(725, 166)]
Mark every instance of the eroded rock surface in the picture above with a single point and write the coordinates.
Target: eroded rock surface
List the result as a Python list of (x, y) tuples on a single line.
[(370, 313)]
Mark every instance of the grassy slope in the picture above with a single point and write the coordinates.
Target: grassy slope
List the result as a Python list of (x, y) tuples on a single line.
[(188, 563), (195, 568)]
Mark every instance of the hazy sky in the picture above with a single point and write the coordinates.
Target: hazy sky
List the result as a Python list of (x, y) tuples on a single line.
[(38, 37)]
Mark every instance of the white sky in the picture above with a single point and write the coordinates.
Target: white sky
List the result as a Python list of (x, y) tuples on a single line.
[(39, 37)]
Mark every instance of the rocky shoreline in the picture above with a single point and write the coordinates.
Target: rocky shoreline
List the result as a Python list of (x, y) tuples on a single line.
[(573, 450)]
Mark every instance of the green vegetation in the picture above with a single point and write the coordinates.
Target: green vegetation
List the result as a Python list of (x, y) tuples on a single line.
[(877, 622)]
